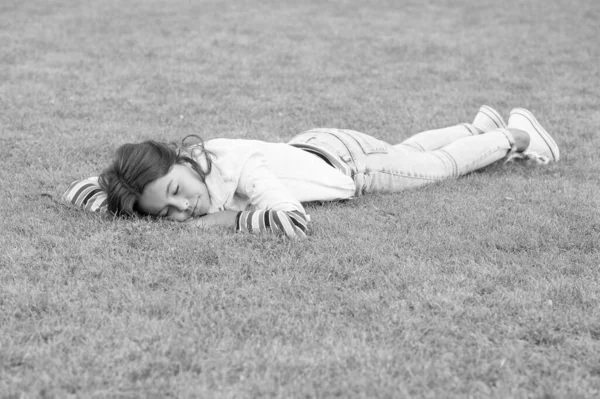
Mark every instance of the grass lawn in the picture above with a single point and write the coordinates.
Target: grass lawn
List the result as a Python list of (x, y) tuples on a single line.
[(487, 286)]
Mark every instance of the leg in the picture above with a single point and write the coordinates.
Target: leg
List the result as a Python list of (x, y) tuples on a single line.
[(376, 166), (524, 137), (487, 119), (403, 168), (433, 139)]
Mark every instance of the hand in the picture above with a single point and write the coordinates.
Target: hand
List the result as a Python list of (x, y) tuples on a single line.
[(224, 218)]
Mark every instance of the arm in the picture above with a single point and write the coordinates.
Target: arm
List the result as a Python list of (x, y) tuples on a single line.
[(276, 209), (292, 223), (223, 218)]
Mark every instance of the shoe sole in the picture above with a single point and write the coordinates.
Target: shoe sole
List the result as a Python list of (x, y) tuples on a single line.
[(540, 131), (494, 116)]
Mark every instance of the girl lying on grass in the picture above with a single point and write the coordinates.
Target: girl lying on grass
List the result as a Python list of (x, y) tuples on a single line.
[(259, 186)]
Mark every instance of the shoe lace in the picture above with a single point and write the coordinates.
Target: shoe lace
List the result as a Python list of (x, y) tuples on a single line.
[(528, 156)]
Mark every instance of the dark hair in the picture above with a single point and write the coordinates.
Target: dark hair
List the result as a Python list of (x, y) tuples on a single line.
[(136, 165)]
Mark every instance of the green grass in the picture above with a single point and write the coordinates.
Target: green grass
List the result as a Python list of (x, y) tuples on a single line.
[(487, 286)]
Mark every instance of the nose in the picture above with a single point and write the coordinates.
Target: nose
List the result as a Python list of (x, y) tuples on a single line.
[(182, 205)]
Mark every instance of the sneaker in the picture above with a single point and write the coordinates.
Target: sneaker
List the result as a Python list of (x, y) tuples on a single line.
[(541, 144), (488, 119)]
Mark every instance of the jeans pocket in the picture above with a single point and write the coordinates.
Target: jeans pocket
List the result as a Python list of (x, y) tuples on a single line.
[(368, 144)]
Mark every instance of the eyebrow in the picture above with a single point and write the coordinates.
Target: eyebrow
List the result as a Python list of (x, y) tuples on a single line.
[(169, 187)]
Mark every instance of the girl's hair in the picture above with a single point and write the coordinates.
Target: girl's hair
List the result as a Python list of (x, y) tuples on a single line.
[(136, 165)]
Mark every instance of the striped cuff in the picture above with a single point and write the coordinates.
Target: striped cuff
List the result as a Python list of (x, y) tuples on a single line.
[(291, 223), (87, 194)]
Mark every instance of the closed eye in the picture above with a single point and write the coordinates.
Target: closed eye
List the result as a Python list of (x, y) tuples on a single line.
[(176, 190)]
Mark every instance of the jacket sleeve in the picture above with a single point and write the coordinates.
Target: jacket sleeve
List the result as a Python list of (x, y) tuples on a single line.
[(275, 208), (87, 194), (293, 224)]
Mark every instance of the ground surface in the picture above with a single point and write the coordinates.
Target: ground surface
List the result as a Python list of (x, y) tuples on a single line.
[(483, 287)]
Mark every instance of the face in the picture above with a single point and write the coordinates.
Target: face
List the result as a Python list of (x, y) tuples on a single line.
[(178, 195)]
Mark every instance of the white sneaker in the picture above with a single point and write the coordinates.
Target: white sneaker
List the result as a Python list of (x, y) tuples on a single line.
[(488, 119), (541, 144)]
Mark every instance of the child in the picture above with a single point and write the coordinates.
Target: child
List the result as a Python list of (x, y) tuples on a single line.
[(259, 186)]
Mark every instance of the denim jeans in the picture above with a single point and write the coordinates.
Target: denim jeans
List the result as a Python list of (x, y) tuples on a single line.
[(433, 155)]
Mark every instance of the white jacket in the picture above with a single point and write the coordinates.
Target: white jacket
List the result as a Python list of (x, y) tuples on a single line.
[(253, 174)]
